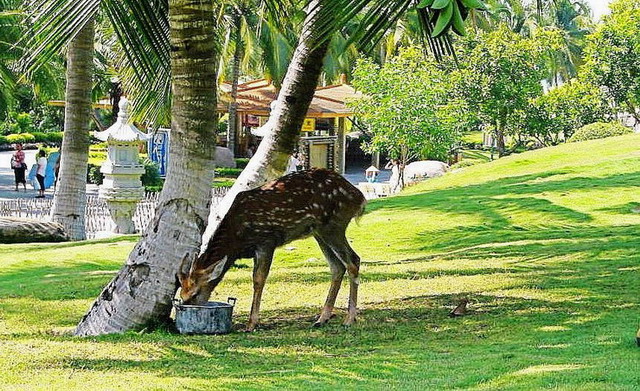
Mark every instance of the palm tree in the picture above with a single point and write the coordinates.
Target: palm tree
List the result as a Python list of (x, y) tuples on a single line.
[(145, 286), (70, 198)]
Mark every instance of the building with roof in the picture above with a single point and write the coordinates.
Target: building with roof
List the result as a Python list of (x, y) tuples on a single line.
[(323, 139)]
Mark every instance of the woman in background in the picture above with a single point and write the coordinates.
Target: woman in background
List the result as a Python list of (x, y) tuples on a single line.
[(42, 169), (19, 167)]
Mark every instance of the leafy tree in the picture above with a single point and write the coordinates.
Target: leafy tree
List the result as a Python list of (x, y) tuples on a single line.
[(500, 72), (405, 107), (613, 56), (553, 117)]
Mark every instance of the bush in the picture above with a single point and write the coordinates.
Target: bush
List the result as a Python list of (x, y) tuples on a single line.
[(241, 162), (151, 179), (228, 172), (94, 175), (22, 138), (599, 130), (3, 140), (40, 137), (54, 137)]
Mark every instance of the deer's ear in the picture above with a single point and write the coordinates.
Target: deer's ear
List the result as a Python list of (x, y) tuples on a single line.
[(216, 269), (183, 270)]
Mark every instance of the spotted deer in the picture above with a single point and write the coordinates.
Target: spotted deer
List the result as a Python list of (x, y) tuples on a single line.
[(315, 202)]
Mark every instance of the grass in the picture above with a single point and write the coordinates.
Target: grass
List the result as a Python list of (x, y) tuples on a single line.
[(544, 244)]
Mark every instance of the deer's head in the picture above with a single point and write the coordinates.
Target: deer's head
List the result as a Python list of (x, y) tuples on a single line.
[(198, 282)]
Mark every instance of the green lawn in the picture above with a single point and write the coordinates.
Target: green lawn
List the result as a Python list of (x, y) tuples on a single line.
[(544, 244)]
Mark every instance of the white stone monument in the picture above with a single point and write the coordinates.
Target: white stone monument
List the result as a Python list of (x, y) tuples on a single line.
[(122, 188)]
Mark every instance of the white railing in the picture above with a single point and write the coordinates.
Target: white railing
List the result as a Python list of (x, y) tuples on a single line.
[(97, 218)]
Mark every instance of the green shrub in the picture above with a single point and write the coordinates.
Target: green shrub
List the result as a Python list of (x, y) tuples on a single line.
[(599, 130), (40, 137), (94, 175), (151, 179), (3, 140), (29, 138), (241, 162), (16, 139), (222, 182), (54, 137), (228, 172)]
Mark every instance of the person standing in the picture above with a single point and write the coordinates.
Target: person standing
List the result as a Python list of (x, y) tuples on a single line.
[(19, 167), (395, 182), (293, 163), (301, 161), (42, 169)]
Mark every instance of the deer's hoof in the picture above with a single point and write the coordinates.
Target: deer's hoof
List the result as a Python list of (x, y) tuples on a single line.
[(319, 324), (349, 322)]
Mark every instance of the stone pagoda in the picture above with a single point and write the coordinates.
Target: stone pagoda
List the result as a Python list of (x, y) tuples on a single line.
[(122, 188)]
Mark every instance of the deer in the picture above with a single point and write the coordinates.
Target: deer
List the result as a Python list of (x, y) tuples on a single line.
[(316, 202)]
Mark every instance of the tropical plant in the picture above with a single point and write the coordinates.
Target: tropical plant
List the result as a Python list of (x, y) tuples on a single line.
[(19, 92), (152, 265)]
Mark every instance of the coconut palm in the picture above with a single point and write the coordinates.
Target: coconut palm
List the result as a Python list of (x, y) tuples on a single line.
[(45, 83), (143, 289), (70, 198)]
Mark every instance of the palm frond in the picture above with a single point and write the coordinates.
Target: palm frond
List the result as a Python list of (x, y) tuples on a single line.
[(55, 23)]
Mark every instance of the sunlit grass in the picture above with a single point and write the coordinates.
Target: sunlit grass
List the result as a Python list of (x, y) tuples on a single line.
[(544, 244)]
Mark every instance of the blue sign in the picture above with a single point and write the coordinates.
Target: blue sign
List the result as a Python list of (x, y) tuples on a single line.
[(159, 149)]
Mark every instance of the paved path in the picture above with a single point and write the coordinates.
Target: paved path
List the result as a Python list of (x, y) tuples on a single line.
[(354, 175), (7, 179)]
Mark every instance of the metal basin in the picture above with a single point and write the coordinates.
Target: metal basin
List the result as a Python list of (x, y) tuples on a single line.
[(211, 318)]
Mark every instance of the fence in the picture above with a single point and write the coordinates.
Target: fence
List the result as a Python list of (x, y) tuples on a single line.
[(97, 217)]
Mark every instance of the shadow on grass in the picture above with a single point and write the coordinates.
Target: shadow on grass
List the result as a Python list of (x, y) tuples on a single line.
[(399, 339), (481, 198)]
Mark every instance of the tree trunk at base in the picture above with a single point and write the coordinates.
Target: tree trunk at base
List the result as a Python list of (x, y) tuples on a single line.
[(284, 124), (500, 144), (141, 293), (70, 198)]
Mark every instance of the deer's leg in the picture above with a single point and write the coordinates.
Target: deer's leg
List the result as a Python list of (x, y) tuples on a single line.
[(261, 266), (338, 243), (353, 268), (337, 273)]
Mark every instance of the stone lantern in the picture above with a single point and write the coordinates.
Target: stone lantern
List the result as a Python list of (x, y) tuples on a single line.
[(371, 174), (122, 188)]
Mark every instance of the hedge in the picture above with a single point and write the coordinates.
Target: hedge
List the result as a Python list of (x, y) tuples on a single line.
[(36, 137)]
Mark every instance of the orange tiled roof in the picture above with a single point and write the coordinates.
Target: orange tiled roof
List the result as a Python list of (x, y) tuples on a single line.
[(255, 98)]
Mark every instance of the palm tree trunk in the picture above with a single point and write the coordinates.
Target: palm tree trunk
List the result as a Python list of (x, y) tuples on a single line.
[(284, 124), (233, 105), (141, 293), (70, 197)]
